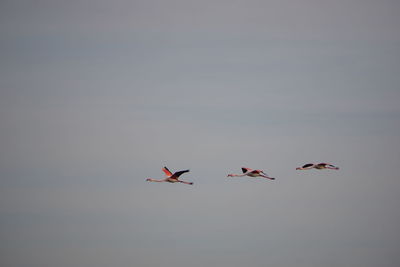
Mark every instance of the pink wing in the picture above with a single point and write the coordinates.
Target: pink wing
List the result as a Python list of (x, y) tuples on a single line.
[(167, 172)]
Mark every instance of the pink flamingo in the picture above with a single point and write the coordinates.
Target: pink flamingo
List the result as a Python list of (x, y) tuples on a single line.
[(318, 166), (251, 173), (170, 178)]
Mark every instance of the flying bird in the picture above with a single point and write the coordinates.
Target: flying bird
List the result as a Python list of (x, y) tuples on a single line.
[(251, 173), (170, 178), (318, 166)]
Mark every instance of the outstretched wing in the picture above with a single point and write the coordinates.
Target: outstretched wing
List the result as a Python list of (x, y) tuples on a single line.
[(167, 172), (244, 170), (322, 164), (179, 173), (307, 165)]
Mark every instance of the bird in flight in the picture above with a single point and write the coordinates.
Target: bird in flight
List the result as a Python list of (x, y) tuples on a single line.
[(251, 173), (170, 178), (318, 166)]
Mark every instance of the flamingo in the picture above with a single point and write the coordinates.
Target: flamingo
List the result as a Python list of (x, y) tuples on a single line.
[(251, 173), (318, 166), (170, 178)]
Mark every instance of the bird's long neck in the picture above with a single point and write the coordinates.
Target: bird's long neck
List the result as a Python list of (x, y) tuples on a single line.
[(155, 180), (305, 168), (237, 175)]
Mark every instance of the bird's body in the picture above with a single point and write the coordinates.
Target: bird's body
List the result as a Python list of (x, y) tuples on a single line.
[(251, 173), (170, 178), (319, 166)]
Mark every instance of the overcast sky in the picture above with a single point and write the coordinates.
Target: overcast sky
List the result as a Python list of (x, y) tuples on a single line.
[(97, 96)]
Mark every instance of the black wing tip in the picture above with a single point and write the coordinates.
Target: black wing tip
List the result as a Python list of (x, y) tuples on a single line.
[(179, 173)]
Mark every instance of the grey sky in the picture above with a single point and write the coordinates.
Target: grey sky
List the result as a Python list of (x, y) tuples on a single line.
[(96, 96)]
